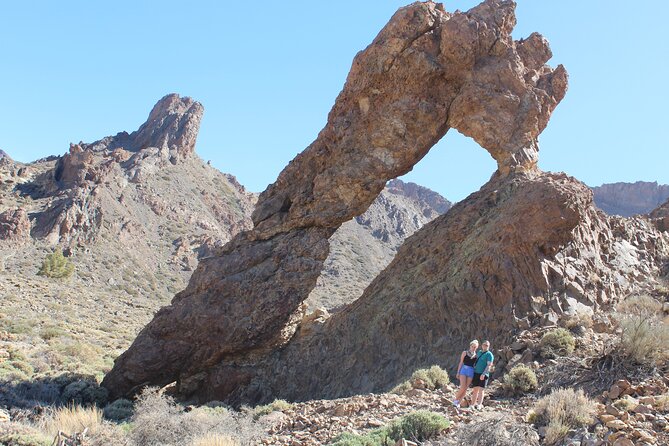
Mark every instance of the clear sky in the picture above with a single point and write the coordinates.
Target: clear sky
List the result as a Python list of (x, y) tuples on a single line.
[(268, 72)]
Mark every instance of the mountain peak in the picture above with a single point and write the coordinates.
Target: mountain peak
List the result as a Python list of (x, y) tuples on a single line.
[(173, 124)]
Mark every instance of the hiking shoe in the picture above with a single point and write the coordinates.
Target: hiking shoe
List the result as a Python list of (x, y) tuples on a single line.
[(456, 403)]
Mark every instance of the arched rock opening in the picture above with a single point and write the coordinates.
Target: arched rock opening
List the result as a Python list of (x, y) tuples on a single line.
[(427, 71)]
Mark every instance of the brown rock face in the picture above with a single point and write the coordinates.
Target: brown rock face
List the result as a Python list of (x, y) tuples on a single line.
[(173, 125), (14, 225), (660, 217), (426, 71), (524, 247)]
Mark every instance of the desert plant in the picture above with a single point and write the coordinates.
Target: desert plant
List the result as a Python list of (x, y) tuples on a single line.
[(643, 332), (56, 266), (562, 410), (661, 403), (159, 420), (215, 440), (118, 410), (71, 419), (276, 405), (416, 426), (558, 342), (85, 392), (433, 378), (625, 404), (521, 379)]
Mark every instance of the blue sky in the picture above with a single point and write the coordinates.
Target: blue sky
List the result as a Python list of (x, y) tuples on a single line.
[(268, 72)]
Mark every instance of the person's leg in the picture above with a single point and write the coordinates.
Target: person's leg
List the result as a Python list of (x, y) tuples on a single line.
[(475, 395), (481, 393), (463, 388)]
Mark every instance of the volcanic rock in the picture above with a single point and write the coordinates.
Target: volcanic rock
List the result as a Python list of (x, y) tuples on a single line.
[(173, 125), (427, 71), (628, 199), (660, 217), (523, 246), (14, 225)]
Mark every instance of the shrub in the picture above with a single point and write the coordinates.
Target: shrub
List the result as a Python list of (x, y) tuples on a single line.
[(561, 411), (434, 378), (416, 426), (119, 410), (85, 392), (625, 404), (73, 419), (276, 405), (661, 403), (158, 420), (215, 440), (643, 333), (521, 379), (558, 342), (56, 266)]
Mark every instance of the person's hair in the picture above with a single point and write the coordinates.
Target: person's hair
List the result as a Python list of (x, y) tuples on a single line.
[(486, 342), (474, 342)]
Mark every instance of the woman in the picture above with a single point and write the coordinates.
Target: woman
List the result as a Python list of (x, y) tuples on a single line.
[(466, 371)]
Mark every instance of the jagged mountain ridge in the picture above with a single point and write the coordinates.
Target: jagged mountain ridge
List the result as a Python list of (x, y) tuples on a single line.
[(628, 199)]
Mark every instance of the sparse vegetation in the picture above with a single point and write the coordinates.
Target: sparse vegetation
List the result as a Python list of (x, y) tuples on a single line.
[(520, 380), (557, 342), (644, 334), (561, 411), (215, 440), (416, 426), (56, 266), (118, 410), (276, 405), (73, 418), (431, 378)]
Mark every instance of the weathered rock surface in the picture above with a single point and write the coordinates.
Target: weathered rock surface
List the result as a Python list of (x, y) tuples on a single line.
[(14, 225), (523, 247), (172, 126), (363, 246), (628, 199), (660, 217), (426, 71)]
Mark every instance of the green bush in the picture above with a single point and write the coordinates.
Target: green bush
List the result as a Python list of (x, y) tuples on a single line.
[(119, 410), (561, 411), (416, 426), (521, 379), (276, 405), (56, 266), (85, 392), (558, 342), (434, 378)]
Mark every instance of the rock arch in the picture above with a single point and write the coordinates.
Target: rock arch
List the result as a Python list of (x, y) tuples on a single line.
[(426, 72)]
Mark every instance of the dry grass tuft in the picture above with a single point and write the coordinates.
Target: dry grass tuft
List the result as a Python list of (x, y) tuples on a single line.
[(215, 440), (72, 419), (561, 411), (644, 333)]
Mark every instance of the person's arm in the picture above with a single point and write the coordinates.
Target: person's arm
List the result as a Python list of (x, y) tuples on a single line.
[(462, 358), (487, 368)]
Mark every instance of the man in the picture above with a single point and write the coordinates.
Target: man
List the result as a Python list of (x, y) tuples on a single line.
[(481, 374)]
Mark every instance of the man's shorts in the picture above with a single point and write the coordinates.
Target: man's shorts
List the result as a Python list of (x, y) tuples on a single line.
[(480, 380)]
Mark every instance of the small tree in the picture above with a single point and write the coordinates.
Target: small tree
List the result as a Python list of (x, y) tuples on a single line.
[(56, 266)]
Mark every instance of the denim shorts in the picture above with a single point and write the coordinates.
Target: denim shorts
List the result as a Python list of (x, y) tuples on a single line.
[(467, 370)]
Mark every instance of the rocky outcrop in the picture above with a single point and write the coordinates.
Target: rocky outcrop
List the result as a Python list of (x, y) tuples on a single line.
[(660, 217), (362, 247), (523, 251), (14, 225), (628, 199), (172, 126), (427, 71)]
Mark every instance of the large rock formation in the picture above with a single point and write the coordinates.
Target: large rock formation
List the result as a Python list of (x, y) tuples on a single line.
[(524, 250), (660, 217), (426, 71), (362, 247), (628, 199)]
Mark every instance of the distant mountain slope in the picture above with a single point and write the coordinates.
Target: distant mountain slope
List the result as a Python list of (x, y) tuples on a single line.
[(364, 246), (627, 199)]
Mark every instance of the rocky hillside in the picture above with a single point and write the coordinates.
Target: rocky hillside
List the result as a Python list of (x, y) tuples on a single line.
[(133, 213), (628, 199), (364, 246)]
